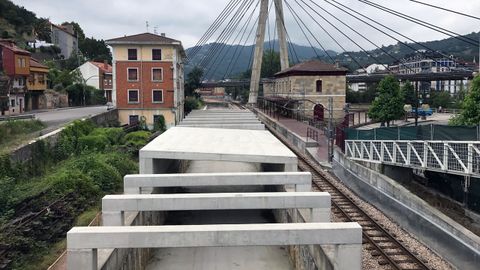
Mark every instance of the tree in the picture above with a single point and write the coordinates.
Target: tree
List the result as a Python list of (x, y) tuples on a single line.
[(388, 105), (270, 63), (78, 30), (95, 50), (408, 92), (42, 30), (470, 115), (440, 99), (194, 81)]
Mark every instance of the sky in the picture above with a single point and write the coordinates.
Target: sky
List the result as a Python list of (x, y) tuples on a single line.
[(187, 20)]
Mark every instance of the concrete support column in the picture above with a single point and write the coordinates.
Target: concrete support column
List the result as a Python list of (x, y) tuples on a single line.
[(82, 259), (282, 35), (320, 215), (258, 56), (146, 165), (116, 218), (348, 256)]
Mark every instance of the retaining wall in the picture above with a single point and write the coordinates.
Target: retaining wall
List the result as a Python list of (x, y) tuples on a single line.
[(439, 232)]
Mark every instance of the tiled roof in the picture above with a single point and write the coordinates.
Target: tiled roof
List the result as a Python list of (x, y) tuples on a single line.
[(102, 66), (34, 63), (11, 46), (313, 67), (143, 38)]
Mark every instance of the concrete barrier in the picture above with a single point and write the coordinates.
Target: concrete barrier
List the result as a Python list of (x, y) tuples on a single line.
[(83, 242), (133, 184), (115, 206)]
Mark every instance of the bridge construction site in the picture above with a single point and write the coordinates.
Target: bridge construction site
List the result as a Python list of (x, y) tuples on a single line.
[(224, 190)]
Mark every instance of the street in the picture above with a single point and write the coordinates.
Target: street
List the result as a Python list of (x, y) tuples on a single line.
[(59, 117)]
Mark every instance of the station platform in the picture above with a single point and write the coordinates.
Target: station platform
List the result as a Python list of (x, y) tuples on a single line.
[(317, 148)]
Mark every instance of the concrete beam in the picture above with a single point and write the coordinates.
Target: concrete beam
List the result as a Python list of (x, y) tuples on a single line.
[(226, 126), (346, 236), (222, 120), (114, 206), (134, 183), (214, 144)]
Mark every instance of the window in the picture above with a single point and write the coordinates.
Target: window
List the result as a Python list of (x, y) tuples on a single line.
[(132, 54), (319, 86), (156, 54), (133, 74), (133, 119), (133, 96), (157, 96), (157, 74), (12, 103)]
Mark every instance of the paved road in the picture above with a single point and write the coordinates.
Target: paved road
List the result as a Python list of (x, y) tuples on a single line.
[(57, 118)]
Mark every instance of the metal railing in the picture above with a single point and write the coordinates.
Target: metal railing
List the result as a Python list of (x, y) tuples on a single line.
[(455, 157)]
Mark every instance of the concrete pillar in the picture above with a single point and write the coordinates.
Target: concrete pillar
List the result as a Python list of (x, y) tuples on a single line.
[(114, 218), (146, 165), (82, 259), (258, 56), (282, 35), (348, 257)]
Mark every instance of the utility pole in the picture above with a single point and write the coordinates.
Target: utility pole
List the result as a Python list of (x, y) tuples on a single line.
[(282, 33), (330, 130), (258, 56)]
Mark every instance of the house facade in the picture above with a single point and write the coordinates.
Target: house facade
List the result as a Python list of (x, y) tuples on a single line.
[(310, 85), (16, 66), (65, 38), (98, 75), (37, 84), (148, 78)]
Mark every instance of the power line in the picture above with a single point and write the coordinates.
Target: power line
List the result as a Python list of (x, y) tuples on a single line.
[(212, 29), (235, 57), (242, 32), (218, 53), (298, 23), (225, 35), (328, 33), (422, 23), (384, 26), (446, 9)]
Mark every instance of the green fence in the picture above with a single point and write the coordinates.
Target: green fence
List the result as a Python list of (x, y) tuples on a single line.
[(423, 133)]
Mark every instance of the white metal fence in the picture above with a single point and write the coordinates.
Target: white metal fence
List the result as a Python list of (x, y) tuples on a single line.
[(455, 157)]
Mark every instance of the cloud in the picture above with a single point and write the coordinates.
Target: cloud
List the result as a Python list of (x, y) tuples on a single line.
[(187, 20)]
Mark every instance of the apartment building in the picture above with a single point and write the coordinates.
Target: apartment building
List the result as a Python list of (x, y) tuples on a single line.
[(65, 38), (148, 78)]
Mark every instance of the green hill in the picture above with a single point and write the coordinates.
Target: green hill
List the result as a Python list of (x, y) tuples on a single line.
[(449, 46)]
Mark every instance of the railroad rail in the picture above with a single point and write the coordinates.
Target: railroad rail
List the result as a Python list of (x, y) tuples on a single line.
[(383, 245)]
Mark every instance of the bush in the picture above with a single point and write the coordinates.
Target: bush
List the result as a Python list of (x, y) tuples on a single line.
[(137, 138), (192, 103), (121, 162), (67, 144), (93, 143), (159, 125), (114, 135), (103, 175)]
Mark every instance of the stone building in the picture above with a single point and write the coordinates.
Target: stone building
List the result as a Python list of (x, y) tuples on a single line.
[(309, 85), (65, 38)]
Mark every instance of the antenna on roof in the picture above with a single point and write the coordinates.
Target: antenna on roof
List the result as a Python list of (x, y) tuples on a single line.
[(147, 25), (155, 30)]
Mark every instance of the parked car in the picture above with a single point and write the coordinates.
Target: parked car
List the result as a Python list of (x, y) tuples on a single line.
[(423, 112)]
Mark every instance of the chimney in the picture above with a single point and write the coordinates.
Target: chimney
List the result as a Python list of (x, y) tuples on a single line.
[(162, 34), (105, 64)]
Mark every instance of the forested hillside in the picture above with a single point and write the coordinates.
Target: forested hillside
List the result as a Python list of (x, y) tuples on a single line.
[(231, 67)]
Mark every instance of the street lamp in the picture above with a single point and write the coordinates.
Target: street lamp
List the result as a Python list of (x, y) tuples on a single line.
[(85, 84)]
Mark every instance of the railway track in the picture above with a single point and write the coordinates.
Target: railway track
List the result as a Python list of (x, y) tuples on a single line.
[(383, 246)]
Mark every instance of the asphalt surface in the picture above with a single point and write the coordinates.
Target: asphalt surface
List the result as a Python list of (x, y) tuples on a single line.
[(57, 118)]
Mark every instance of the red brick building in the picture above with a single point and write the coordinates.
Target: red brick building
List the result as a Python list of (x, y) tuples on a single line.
[(148, 78)]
